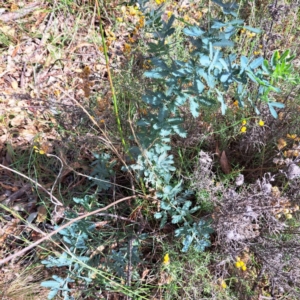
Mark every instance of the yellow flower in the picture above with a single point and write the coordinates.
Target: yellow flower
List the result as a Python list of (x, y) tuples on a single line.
[(166, 259), (288, 216), (186, 18), (37, 150), (251, 34), (244, 122), (134, 11), (256, 52), (120, 19), (223, 284), (243, 129), (261, 123), (141, 22), (169, 14), (238, 264), (291, 136), (236, 103), (131, 40), (159, 2), (244, 268), (127, 48)]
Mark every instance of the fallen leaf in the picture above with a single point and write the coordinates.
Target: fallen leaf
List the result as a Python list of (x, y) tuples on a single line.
[(165, 278), (225, 165), (7, 30), (28, 135), (281, 143), (101, 224), (14, 85), (58, 215), (17, 121), (145, 273), (42, 214)]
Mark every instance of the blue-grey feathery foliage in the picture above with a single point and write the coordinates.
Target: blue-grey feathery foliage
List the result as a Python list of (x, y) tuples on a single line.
[(202, 80)]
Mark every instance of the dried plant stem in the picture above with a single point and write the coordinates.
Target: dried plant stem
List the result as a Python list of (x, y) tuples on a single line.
[(114, 98)]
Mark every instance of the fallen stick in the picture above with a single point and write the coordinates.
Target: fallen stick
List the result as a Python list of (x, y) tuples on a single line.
[(18, 14)]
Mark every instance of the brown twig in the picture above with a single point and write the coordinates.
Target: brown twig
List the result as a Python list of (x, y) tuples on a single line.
[(11, 16), (48, 236)]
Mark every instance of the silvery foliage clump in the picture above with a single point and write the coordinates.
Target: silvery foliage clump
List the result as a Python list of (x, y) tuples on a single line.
[(75, 237), (201, 81), (78, 260)]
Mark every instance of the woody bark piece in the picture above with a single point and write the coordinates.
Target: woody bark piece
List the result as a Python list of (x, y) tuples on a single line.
[(11, 16)]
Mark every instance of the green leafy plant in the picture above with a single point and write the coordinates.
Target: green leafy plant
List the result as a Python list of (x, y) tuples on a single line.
[(210, 72)]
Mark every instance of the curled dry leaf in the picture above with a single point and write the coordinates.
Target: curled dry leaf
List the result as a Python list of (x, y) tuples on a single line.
[(14, 85), (225, 165), (57, 215), (42, 214), (281, 143)]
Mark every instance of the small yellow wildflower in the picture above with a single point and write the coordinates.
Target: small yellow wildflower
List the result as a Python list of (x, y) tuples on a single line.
[(166, 259), (37, 150), (260, 46), (244, 268), (127, 48), (169, 14), (134, 11), (131, 40), (159, 2), (238, 264), (243, 31), (251, 34), (186, 18), (57, 93), (243, 129), (223, 284), (256, 52), (261, 123), (244, 122), (120, 19), (291, 136), (141, 22), (289, 216)]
